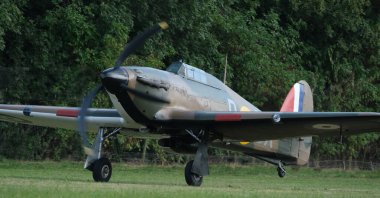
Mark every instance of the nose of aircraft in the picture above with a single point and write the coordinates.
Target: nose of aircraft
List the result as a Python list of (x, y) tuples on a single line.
[(112, 78)]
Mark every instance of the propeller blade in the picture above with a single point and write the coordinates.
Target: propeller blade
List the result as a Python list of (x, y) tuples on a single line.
[(138, 40), (144, 95), (129, 48), (82, 115)]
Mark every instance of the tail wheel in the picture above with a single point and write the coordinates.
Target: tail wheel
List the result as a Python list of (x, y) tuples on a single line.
[(191, 178), (102, 170), (281, 170)]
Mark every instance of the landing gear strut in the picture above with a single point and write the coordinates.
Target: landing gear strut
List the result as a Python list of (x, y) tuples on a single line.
[(281, 170), (196, 169), (100, 166), (192, 179)]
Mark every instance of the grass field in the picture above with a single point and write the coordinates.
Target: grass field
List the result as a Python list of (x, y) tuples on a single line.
[(68, 179)]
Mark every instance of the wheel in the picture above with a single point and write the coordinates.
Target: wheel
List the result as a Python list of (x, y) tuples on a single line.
[(102, 170), (192, 179), (281, 172)]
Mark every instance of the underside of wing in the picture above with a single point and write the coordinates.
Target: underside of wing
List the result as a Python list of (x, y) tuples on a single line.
[(256, 126), (60, 117)]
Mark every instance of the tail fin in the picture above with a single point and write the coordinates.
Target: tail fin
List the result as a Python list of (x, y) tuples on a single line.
[(299, 99)]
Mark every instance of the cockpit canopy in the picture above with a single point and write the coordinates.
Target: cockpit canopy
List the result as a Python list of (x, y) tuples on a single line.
[(194, 74)]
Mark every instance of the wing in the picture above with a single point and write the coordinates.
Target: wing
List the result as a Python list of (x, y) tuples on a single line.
[(255, 126), (60, 117)]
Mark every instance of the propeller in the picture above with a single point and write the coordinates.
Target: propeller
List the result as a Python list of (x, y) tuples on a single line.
[(138, 40), (87, 100), (82, 115)]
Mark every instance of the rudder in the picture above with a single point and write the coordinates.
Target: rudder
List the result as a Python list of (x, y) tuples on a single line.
[(299, 99)]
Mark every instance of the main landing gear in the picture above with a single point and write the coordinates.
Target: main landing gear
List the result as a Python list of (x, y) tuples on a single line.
[(102, 170), (196, 169), (192, 179), (100, 166)]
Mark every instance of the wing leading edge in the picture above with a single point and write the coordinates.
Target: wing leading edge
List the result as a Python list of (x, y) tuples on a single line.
[(60, 117), (257, 126)]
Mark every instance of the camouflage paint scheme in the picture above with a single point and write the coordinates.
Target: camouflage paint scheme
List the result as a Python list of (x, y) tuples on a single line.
[(213, 95)]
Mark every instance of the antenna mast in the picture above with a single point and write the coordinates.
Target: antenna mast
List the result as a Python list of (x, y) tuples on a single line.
[(225, 71)]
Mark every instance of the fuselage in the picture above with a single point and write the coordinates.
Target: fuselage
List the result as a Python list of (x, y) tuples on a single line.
[(187, 88), (145, 91)]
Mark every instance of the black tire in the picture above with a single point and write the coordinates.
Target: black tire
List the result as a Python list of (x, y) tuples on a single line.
[(192, 179), (281, 172), (102, 170)]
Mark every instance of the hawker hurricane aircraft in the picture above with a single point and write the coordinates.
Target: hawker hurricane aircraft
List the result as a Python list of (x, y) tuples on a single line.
[(188, 111)]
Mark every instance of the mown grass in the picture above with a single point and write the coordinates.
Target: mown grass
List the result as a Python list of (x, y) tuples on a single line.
[(68, 179)]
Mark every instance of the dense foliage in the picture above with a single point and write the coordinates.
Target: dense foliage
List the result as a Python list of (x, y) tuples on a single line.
[(51, 53)]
